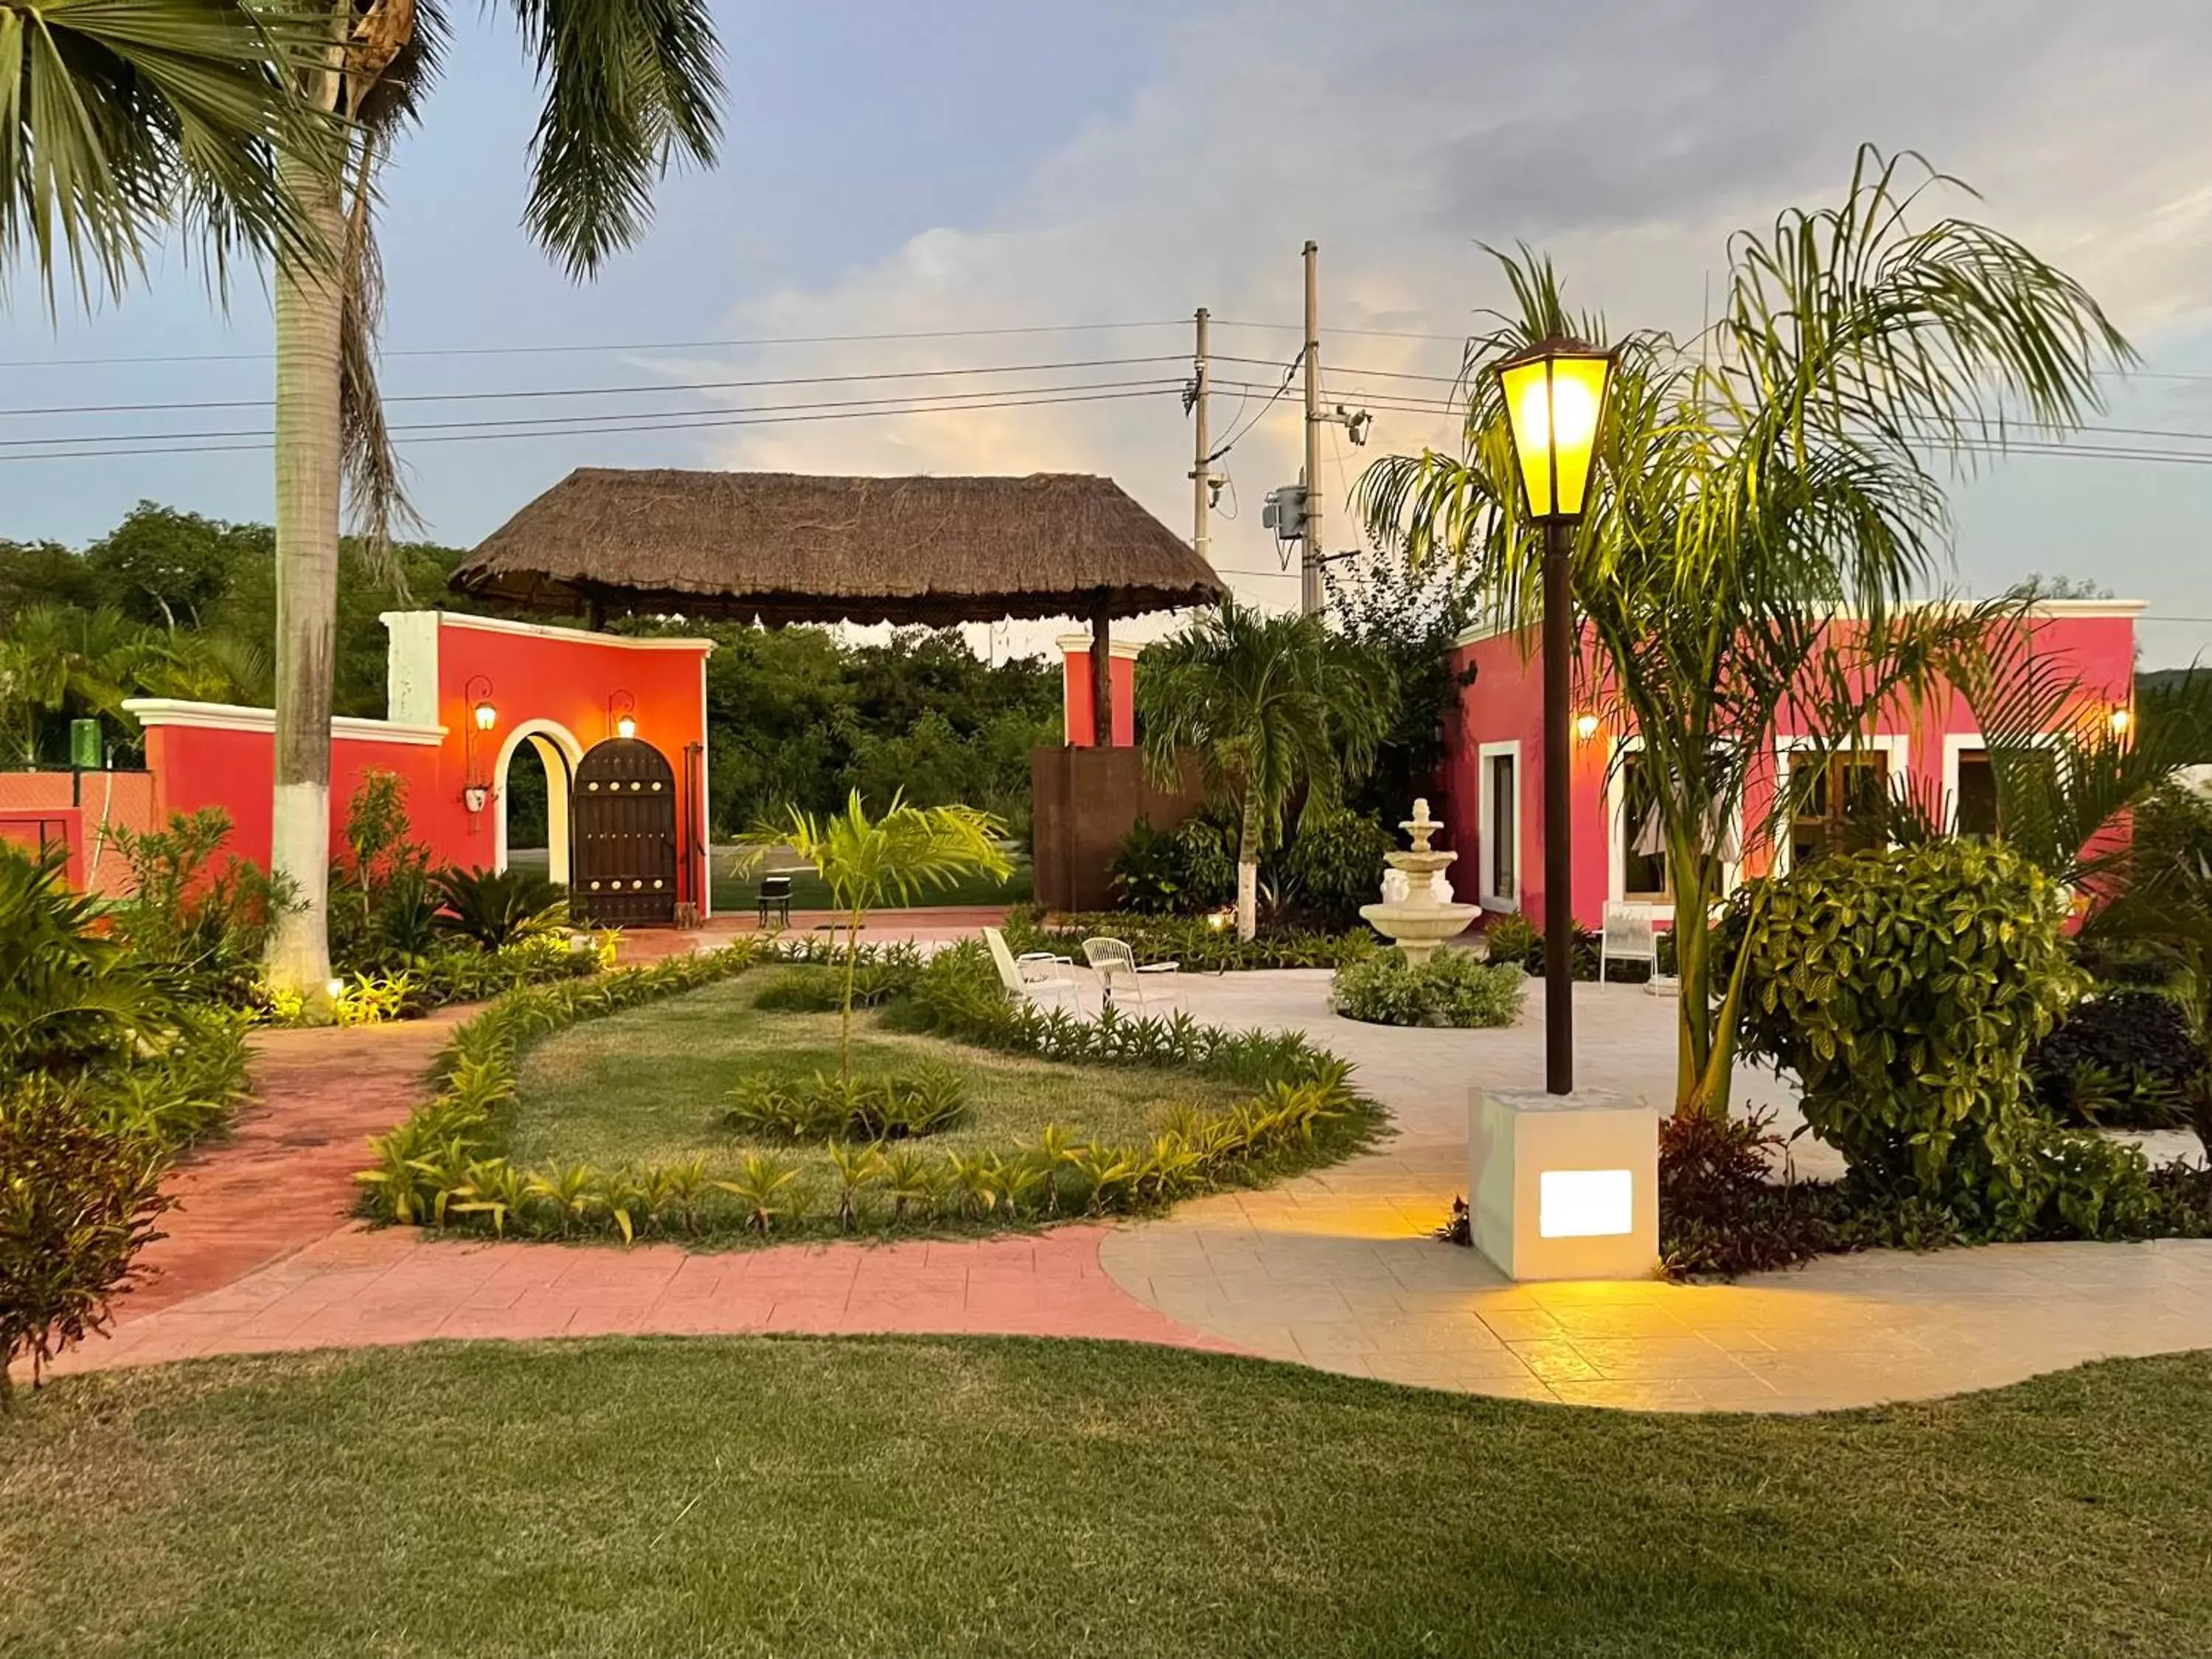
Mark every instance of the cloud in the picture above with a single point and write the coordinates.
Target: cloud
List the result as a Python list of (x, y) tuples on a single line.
[(1628, 140)]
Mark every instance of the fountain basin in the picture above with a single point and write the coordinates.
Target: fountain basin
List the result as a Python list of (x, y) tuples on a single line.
[(1418, 929)]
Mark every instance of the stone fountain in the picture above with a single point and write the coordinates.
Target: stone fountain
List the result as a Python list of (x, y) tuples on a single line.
[(1417, 911)]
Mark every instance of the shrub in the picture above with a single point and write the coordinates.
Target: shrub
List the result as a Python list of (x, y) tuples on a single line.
[(1514, 938), (823, 1108), (1452, 988), (1195, 942), (197, 916), (1719, 1210), (819, 987), (1147, 872), (2123, 1059), (500, 908), (1206, 848), (78, 1200), (1905, 988), (1334, 865)]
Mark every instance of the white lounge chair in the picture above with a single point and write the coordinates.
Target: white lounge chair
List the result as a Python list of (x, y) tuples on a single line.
[(1034, 972), (1115, 965), (1628, 936)]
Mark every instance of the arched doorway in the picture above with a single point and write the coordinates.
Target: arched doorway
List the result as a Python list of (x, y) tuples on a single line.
[(556, 753), (625, 850)]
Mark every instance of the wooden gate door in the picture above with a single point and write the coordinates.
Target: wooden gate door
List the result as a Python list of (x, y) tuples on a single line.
[(623, 867)]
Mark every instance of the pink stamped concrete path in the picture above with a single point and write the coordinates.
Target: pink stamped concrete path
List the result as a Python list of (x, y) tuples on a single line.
[(261, 1255)]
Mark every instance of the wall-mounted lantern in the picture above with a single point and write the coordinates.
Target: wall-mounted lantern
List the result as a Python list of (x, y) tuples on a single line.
[(621, 715), (483, 715)]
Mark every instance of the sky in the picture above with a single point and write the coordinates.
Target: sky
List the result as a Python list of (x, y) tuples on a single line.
[(1094, 173)]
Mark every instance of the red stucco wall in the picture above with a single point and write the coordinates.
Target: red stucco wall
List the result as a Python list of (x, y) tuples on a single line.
[(2093, 646), (1079, 699)]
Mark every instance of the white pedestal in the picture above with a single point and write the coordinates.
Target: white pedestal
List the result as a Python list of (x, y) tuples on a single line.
[(1564, 1186)]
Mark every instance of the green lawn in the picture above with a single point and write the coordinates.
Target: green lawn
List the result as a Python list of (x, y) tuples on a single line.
[(939, 1497), (649, 1085)]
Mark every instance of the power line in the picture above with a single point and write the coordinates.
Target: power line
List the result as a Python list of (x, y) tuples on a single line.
[(620, 391), (662, 345), (674, 419), (655, 426)]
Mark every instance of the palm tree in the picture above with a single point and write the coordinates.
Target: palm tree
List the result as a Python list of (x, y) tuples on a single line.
[(1271, 705), (865, 862), (629, 86), (123, 119), (1757, 483), (58, 660)]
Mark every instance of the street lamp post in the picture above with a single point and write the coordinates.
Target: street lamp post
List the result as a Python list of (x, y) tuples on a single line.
[(1554, 401)]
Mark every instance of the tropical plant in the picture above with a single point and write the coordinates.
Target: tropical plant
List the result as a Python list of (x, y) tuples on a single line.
[(1334, 865), (500, 907), (1452, 988), (126, 122), (1147, 872), (1904, 990), (70, 999), (1781, 469), (78, 1201), (1271, 705), (197, 914), (628, 89), (2122, 1058), (866, 861)]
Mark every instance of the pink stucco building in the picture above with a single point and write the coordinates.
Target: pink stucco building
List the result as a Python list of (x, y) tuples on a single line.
[(1493, 773)]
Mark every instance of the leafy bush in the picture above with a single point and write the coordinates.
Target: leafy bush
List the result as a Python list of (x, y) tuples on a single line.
[(1195, 942), (79, 1199), (197, 916), (1904, 990), (1334, 865), (1452, 988), (1719, 1211), (824, 1108), (819, 989), (500, 908), (1514, 938), (1148, 872), (1206, 847), (2123, 1059)]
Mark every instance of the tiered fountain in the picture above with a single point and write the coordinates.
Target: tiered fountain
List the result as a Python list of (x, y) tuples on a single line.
[(1417, 912)]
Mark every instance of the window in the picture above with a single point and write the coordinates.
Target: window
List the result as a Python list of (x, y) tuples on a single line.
[(1840, 811), (1643, 875), (1503, 831), (1977, 797)]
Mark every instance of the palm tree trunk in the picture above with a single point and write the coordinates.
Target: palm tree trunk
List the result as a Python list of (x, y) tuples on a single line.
[(309, 307), (1248, 868)]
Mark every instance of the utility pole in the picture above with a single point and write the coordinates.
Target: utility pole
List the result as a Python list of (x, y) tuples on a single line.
[(1201, 470), (1309, 565)]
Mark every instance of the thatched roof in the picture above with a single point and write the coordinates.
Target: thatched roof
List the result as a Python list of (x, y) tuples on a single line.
[(786, 547)]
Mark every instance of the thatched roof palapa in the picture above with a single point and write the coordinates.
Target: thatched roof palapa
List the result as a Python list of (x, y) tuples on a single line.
[(787, 547)]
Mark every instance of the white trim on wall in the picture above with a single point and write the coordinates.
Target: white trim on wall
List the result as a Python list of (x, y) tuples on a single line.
[(234, 717), (1484, 754), (540, 735), (546, 631)]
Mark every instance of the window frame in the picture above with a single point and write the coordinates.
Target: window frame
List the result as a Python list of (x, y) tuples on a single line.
[(1486, 839)]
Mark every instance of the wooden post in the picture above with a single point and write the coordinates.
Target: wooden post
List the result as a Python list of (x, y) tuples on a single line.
[(1101, 676)]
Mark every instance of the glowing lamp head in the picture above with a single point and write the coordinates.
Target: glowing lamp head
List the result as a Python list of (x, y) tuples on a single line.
[(2122, 718), (1555, 402), (486, 716), (1585, 726), (626, 726)]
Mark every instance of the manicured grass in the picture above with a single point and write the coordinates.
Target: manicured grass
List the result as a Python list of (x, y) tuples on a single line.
[(941, 1497), (650, 1085)]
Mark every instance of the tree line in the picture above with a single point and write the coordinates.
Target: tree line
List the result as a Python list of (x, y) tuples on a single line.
[(176, 603)]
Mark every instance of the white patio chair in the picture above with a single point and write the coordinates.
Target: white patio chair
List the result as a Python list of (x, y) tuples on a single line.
[(1628, 936), (1115, 965), (1034, 972)]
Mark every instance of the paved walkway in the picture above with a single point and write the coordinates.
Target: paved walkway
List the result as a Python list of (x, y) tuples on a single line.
[(1333, 1270)]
